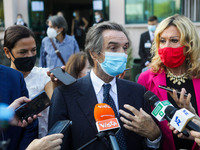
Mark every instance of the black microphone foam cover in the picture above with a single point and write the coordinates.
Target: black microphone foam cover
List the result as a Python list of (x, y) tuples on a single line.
[(151, 98), (170, 111)]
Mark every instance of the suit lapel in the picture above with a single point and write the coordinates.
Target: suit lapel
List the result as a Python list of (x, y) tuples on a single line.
[(123, 96), (87, 100)]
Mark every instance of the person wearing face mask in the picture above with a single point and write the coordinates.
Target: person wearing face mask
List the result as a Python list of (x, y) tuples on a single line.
[(98, 17), (175, 64), (64, 44), (20, 20), (146, 40), (106, 48), (20, 48)]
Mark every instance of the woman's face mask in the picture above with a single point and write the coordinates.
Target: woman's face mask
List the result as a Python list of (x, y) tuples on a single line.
[(52, 33), (172, 57), (25, 64)]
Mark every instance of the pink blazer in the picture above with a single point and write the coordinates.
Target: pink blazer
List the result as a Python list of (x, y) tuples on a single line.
[(151, 81)]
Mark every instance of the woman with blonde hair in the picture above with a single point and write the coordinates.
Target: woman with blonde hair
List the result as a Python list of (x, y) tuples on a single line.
[(175, 63)]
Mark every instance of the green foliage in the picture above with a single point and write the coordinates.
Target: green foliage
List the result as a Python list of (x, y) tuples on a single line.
[(130, 58)]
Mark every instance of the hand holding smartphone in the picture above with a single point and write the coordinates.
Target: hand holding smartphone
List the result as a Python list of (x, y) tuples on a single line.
[(35, 106), (171, 90), (63, 76), (60, 127)]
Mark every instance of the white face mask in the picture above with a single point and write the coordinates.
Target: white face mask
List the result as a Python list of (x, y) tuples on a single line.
[(51, 32)]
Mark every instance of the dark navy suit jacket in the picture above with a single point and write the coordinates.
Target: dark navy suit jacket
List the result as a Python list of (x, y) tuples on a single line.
[(76, 103), (144, 52), (12, 86)]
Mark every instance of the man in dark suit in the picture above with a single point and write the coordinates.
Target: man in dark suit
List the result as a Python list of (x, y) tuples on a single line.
[(146, 40), (106, 46), (98, 17)]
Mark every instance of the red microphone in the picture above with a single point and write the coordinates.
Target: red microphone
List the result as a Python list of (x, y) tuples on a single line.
[(106, 121), (105, 117)]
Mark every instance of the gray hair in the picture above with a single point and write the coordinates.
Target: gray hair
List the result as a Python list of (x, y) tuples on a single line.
[(60, 22), (94, 39)]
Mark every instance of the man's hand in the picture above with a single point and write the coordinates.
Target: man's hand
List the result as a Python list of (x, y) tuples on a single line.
[(179, 134), (16, 121), (50, 142), (140, 122), (196, 136)]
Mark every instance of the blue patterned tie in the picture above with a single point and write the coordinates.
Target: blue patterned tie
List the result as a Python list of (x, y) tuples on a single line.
[(109, 100)]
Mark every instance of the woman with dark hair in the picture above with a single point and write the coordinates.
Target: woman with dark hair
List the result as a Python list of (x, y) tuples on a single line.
[(66, 45), (20, 48), (78, 65)]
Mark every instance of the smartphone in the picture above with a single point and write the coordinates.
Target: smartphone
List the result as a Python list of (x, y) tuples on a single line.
[(170, 89), (60, 127), (40, 102), (63, 76)]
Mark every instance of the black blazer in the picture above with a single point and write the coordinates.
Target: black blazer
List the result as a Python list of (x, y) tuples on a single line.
[(144, 52), (76, 103)]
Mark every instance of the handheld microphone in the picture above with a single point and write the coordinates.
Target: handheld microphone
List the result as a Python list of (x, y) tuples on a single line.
[(159, 106), (106, 121), (169, 112), (181, 119)]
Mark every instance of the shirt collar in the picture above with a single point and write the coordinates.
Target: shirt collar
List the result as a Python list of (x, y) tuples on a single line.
[(98, 83), (151, 33), (64, 41)]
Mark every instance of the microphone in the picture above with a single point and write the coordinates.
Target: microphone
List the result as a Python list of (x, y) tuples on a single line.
[(181, 119), (159, 106), (106, 122)]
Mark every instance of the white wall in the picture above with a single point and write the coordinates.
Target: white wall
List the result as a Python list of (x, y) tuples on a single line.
[(12, 8), (117, 11), (23, 9), (117, 14)]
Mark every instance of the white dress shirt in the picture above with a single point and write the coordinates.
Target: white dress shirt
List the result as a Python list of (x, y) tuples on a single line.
[(98, 88), (151, 35)]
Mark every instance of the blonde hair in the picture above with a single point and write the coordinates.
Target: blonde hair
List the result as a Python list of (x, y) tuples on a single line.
[(189, 38)]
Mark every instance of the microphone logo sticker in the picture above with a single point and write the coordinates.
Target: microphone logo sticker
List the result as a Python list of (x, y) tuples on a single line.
[(185, 112), (107, 124), (103, 106), (181, 118), (178, 121)]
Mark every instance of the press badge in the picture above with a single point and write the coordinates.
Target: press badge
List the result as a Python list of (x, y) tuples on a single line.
[(147, 45)]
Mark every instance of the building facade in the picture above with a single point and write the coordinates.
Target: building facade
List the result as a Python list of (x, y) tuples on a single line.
[(132, 14)]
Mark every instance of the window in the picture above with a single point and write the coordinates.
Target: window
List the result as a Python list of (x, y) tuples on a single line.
[(1, 14), (191, 9), (138, 11)]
